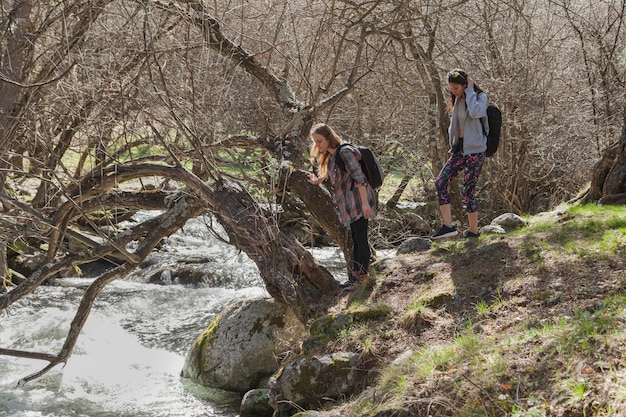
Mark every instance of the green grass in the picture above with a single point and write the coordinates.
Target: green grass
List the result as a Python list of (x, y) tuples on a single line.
[(416, 305), (525, 354), (565, 343), (449, 249), (585, 231), (482, 308)]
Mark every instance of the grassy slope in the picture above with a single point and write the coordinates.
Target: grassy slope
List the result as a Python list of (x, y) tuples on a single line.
[(530, 323)]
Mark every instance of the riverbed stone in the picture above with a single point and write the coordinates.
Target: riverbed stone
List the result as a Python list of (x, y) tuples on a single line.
[(240, 347), (256, 404), (309, 382)]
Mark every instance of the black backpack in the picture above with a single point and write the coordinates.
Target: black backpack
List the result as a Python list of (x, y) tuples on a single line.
[(494, 124), (369, 165)]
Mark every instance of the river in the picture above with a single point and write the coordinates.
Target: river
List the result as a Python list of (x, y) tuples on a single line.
[(129, 355)]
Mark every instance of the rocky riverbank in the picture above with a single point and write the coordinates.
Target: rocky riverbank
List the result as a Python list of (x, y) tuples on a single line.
[(527, 321)]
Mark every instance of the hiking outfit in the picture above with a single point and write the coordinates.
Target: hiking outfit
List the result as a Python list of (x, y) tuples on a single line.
[(347, 201), (468, 153)]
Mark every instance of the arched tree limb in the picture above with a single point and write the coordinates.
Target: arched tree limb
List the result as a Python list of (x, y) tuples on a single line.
[(161, 226), (289, 271)]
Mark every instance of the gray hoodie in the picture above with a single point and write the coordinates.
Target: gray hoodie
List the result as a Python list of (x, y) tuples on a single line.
[(474, 139)]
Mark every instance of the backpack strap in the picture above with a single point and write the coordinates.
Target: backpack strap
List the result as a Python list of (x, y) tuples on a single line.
[(341, 163), (485, 120)]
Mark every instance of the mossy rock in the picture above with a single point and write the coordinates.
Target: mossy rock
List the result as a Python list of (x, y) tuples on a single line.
[(363, 313)]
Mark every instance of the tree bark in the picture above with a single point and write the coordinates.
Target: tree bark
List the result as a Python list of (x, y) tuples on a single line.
[(615, 182), (600, 172), (319, 202), (4, 270), (393, 201), (18, 48), (290, 273), (608, 180)]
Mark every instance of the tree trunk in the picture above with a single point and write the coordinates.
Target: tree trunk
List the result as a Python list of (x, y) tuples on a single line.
[(18, 47), (615, 182), (290, 273), (600, 172), (608, 180), (393, 201), (319, 202), (4, 270)]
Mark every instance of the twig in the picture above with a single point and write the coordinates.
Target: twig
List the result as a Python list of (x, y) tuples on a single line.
[(484, 392), (41, 84)]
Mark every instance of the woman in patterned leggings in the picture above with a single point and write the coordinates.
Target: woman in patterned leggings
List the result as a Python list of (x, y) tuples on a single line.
[(468, 142)]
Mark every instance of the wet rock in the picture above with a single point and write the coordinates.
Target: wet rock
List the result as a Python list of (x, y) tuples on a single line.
[(241, 346), (189, 275), (183, 276)]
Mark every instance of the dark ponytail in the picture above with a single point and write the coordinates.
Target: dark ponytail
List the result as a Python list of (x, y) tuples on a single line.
[(458, 76)]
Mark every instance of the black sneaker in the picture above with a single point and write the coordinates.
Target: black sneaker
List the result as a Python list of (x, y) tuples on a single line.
[(471, 235), (348, 285), (445, 231)]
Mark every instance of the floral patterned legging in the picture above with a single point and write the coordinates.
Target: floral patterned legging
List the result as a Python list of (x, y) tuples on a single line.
[(473, 164)]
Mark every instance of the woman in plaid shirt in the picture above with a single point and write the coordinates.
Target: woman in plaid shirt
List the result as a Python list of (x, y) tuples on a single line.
[(353, 197)]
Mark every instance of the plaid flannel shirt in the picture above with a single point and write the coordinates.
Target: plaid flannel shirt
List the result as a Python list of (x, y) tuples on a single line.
[(346, 195)]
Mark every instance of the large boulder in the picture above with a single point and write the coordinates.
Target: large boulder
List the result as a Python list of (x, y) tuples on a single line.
[(240, 347)]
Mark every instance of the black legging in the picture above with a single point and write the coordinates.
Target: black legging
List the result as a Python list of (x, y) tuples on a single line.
[(361, 249)]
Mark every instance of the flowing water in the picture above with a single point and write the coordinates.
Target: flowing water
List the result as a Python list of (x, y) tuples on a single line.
[(129, 355)]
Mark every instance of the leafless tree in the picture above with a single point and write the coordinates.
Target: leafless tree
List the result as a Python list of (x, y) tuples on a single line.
[(135, 91), (100, 98)]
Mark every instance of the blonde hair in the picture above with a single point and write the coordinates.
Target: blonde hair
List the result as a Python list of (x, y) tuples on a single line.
[(322, 158)]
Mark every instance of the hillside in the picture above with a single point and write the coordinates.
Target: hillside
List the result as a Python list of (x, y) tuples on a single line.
[(529, 323)]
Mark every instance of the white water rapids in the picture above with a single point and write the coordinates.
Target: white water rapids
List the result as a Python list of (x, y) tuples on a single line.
[(129, 355)]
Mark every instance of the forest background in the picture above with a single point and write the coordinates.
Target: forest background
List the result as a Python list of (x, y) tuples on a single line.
[(218, 98)]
